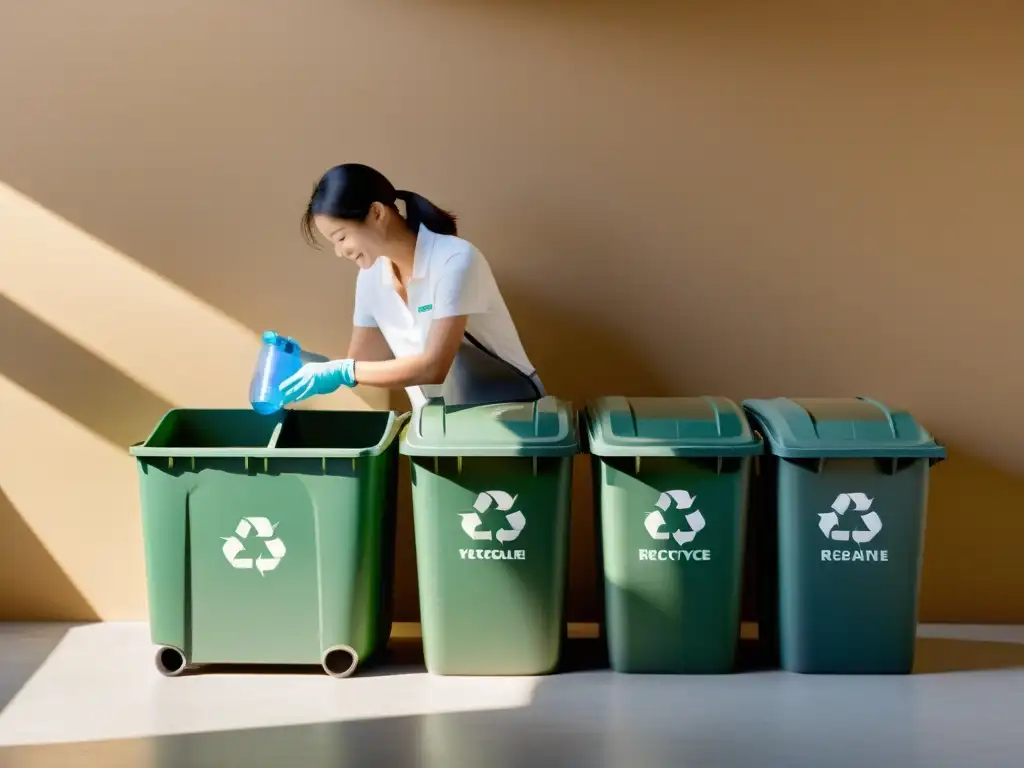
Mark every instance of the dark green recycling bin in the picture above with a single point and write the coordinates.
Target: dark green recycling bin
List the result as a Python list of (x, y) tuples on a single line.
[(839, 516), (491, 496), (269, 539), (670, 489)]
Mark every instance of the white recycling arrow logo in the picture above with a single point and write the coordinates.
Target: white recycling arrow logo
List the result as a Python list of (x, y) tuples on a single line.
[(682, 501), (265, 530), (844, 501), (501, 501)]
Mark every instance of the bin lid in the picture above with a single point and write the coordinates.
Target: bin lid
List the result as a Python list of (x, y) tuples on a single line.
[(542, 428), (853, 427), (669, 426)]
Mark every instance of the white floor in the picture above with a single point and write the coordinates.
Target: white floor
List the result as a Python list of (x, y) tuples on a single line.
[(89, 695)]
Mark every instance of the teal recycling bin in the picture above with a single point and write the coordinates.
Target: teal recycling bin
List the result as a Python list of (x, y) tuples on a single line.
[(838, 516), (671, 478)]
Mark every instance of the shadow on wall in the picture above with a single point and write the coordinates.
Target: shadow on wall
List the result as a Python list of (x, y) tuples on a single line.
[(246, 259), (35, 587), (942, 655), (75, 381), (43, 363), (155, 331), (99, 347), (973, 512)]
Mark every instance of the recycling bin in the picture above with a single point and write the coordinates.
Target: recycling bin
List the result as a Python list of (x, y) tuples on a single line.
[(491, 498), (269, 539), (671, 478), (839, 518)]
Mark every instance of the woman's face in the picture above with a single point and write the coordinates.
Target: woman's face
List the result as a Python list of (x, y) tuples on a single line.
[(360, 243)]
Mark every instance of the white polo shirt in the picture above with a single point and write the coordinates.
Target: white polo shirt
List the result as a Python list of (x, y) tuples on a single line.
[(450, 278)]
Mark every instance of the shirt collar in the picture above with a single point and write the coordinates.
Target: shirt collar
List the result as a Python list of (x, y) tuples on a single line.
[(421, 256), (424, 249)]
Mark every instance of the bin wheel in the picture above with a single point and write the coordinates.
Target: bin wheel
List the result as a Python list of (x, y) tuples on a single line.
[(339, 661), (170, 661)]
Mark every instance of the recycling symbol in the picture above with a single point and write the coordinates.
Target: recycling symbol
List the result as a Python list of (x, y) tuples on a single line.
[(234, 546), (501, 501), (682, 500), (860, 503)]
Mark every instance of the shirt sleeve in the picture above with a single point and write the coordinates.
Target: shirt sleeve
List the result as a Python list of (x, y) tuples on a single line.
[(362, 315), (461, 289)]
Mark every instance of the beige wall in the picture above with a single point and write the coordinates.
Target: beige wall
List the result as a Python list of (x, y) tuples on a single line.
[(749, 199)]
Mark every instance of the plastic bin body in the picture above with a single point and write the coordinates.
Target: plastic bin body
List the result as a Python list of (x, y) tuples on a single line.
[(269, 539), (491, 497), (671, 483), (843, 498)]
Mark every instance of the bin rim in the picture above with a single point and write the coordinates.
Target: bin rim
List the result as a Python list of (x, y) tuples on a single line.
[(143, 450), (564, 444), (686, 447), (922, 446)]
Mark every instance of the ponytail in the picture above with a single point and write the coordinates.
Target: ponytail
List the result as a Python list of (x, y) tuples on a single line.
[(348, 191), (419, 210)]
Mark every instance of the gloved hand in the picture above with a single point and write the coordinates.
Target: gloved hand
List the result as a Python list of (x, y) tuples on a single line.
[(318, 379)]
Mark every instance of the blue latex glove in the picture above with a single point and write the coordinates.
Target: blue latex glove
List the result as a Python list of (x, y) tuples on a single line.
[(318, 379)]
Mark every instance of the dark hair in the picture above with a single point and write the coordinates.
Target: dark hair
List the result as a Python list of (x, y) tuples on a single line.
[(347, 192)]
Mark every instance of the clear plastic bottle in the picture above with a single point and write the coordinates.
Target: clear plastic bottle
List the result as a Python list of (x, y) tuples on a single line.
[(279, 358)]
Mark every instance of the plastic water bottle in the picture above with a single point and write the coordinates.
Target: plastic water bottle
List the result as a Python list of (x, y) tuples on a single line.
[(279, 358)]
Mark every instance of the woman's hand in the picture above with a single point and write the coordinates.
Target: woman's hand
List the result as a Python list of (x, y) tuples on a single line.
[(318, 379)]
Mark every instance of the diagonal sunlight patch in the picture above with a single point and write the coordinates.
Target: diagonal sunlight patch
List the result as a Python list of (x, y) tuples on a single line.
[(110, 666), (161, 336), (78, 494)]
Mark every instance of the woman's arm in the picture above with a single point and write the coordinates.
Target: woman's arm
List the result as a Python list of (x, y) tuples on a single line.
[(368, 344), (365, 344), (427, 368)]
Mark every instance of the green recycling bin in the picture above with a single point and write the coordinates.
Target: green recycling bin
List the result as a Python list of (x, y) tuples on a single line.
[(671, 480), (491, 497), (269, 539), (839, 517)]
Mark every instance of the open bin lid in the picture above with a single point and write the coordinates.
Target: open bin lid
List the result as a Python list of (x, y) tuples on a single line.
[(542, 428), (854, 427), (670, 426)]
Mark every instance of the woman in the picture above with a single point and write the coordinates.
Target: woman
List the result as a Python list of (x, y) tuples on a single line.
[(428, 314)]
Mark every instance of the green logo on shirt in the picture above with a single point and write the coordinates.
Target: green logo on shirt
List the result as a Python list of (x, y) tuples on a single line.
[(425, 308)]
